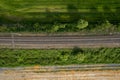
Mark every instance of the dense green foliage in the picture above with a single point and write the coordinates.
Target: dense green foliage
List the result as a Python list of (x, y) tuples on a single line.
[(57, 15), (81, 26), (21, 57)]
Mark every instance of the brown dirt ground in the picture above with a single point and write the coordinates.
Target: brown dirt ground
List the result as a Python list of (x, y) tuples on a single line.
[(63, 75)]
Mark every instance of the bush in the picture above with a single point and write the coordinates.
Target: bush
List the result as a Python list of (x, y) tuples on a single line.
[(4, 29), (81, 24), (36, 27)]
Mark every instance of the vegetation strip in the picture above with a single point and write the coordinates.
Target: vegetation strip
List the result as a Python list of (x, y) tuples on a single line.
[(22, 57)]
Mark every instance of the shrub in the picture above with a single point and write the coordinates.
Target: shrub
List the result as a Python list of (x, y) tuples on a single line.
[(3, 29), (55, 28), (36, 27), (81, 24)]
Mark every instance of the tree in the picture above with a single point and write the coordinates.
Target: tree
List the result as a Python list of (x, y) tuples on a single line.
[(56, 26), (36, 26), (106, 24), (81, 24)]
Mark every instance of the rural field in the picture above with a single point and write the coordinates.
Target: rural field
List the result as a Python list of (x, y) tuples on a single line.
[(62, 75), (43, 39), (86, 9), (60, 10), (59, 16)]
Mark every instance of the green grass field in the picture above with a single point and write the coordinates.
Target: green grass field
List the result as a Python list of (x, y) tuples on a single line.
[(60, 10), (57, 16), (24, 6)]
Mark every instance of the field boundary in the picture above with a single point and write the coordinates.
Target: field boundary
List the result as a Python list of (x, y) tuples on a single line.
[(58, 34), (38, 68)]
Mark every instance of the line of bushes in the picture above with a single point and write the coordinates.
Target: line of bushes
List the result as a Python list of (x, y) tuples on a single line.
[(22, 57), (78, 26)]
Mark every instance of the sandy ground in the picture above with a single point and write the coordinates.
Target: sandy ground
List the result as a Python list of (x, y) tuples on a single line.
[(69, 75)]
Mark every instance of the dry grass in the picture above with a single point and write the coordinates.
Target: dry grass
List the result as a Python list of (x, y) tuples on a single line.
[(69, 75)]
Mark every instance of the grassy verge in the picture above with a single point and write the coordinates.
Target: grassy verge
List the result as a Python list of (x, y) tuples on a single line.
[(21, 57)]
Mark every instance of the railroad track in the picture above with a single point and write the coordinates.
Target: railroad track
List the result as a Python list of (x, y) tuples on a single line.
[(59, 41)]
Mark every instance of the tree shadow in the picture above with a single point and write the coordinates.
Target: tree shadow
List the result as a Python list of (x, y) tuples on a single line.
[(73, 12), (76, 50), (72, 8)]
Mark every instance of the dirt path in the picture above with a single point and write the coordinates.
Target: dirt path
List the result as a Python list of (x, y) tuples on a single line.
[(69, 75)]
